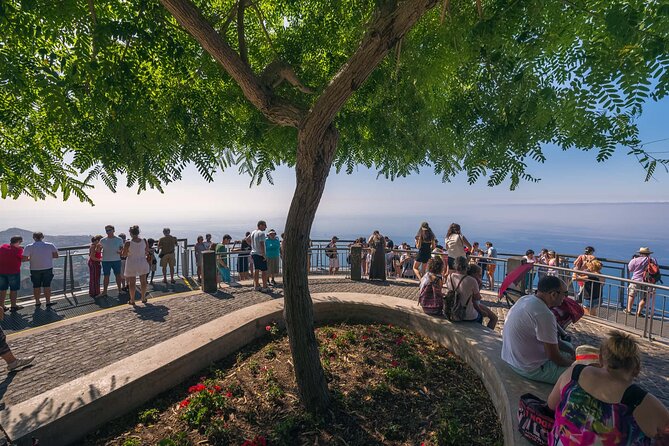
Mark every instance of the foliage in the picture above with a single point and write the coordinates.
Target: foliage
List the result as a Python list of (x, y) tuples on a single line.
[(149, 416), (203, 405), (177, 439), (121, 91)]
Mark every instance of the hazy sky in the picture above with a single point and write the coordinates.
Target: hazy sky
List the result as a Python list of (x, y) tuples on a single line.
[(567, 177)]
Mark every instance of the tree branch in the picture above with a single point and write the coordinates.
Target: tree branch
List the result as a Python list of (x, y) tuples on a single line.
[(94, 21), (384, 33), (243, 52), (276, 109)]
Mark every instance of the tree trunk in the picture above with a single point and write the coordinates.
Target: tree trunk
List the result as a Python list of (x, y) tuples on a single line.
[(315, 156)]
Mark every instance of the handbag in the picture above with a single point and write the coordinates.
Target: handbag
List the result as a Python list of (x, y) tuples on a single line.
[(535, 419), (452, 308)]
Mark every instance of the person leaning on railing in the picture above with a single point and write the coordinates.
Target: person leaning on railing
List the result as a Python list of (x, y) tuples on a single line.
[(591, 292), (601, 405)]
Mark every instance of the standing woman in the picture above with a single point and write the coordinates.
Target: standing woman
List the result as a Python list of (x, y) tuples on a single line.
[(137, 252), (94, 264), (377, 250), (455, 244), (243, 258), (425, 242)]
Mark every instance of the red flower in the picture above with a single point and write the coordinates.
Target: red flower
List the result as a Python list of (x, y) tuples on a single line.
[(394, 363), (228, 394), (184, 403), (268, 328), (333, 336), (399, 340), (198, 388), (364, 337), (217, 388)]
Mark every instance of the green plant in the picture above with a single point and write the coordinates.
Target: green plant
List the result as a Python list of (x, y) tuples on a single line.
[(202, 407), (149, 416), (132, 441), (285, 432), (176, 439), (270, 351), (399, 376), (217, 431), (254, 366), (274, 391)]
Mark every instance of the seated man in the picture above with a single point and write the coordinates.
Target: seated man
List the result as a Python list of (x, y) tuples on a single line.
[(530, 334)]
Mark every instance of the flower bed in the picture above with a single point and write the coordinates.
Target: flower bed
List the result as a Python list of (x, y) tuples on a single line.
[(389, 386)]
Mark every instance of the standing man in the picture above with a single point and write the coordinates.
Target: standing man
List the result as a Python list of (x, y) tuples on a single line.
[(491, 254), (200, 247), (331, 252), (167, 244), (637, 267), (258, 254), (11, 256), (111, 259), (530, 336), (41, 255), (208, 241)]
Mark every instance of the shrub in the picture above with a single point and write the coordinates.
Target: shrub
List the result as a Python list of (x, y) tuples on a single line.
[(132, 441), (149, 416), (202, 405), (398, 376)]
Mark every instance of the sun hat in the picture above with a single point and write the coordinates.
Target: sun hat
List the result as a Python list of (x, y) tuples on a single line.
[(587, 354), (645, 250)]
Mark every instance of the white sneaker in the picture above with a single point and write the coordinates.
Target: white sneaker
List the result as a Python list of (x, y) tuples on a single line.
[(20, 363)]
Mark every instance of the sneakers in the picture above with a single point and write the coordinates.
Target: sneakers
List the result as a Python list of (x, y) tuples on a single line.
[(20, 363)]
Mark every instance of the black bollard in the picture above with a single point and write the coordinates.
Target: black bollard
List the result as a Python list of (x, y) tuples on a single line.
[(209, 279), (356, 256)]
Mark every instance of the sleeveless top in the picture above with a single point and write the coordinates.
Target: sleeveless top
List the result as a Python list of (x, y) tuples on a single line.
[(582, 419), (425, 251), (455, 246)]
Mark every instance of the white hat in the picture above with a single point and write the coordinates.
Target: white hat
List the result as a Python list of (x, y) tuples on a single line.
[(645, 250)]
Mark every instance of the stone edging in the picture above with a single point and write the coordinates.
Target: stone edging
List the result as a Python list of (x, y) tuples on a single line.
[(65, 414)]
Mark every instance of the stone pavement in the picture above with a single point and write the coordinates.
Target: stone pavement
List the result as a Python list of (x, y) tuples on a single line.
[(75, 347)]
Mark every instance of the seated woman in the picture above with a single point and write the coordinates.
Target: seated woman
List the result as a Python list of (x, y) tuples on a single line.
[(430, 295), (468, 295), (600, 405), (592, 286)]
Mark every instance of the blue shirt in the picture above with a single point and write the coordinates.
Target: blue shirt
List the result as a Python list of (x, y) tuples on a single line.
[(272, 248)]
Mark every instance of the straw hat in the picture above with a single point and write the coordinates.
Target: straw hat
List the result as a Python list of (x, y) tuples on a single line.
[(587, 354), (645, 250)]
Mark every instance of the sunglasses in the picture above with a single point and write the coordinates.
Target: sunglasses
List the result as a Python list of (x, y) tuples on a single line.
[(109, 230)]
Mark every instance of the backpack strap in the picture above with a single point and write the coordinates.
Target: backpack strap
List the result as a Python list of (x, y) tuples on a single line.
[(576, 371), (633, 396)]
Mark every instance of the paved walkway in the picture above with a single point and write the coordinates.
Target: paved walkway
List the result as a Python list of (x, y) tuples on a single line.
[(74, 347)]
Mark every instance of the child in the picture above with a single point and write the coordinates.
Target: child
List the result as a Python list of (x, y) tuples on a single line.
[(151, 258)]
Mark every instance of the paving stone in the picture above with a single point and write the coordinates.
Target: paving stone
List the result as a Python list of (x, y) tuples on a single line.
[(76, 349)]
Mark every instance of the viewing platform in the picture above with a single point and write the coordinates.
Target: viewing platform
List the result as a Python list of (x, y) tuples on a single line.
[(78, 342)]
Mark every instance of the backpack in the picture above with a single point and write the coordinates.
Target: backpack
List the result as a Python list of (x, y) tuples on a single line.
[(452, 308), (430, 297), (652, 272), (535, 419)]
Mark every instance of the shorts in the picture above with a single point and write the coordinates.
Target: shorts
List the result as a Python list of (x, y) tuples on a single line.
[(492, 267), (273, 265), (259, 262), (4, 348), (334, 262), (549, 372), (168, 259), (634, 288), (11, 281), (108, 266), (478, 320), (41, 278)]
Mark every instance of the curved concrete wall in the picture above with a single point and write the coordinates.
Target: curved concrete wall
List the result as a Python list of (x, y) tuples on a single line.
[(63, 415)]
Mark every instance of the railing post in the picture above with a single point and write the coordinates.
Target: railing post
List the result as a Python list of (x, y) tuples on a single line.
[(356, 257), (184, 262), (209, 280), (65, 272), (69, 253)]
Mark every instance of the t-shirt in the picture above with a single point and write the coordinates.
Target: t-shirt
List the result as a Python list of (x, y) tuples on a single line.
[(110, 248), (272, 248), (528, 325), (41, 255), (455, 246), (10, 259), (167, 244), (492, 252), (638, 266), (221, 255), (258, 242), (468, 290)]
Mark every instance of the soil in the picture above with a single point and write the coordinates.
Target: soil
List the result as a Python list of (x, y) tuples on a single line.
[(389, 386)]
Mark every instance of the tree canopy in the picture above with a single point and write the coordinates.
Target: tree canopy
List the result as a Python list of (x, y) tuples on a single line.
[(99, 88)]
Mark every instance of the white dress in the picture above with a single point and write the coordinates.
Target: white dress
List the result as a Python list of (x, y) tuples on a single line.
[(136, 264)]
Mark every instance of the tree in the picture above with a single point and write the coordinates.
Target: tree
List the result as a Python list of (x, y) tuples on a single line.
[(98, 89)]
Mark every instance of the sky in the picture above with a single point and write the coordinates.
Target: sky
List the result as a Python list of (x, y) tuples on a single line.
[(360, 200)]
